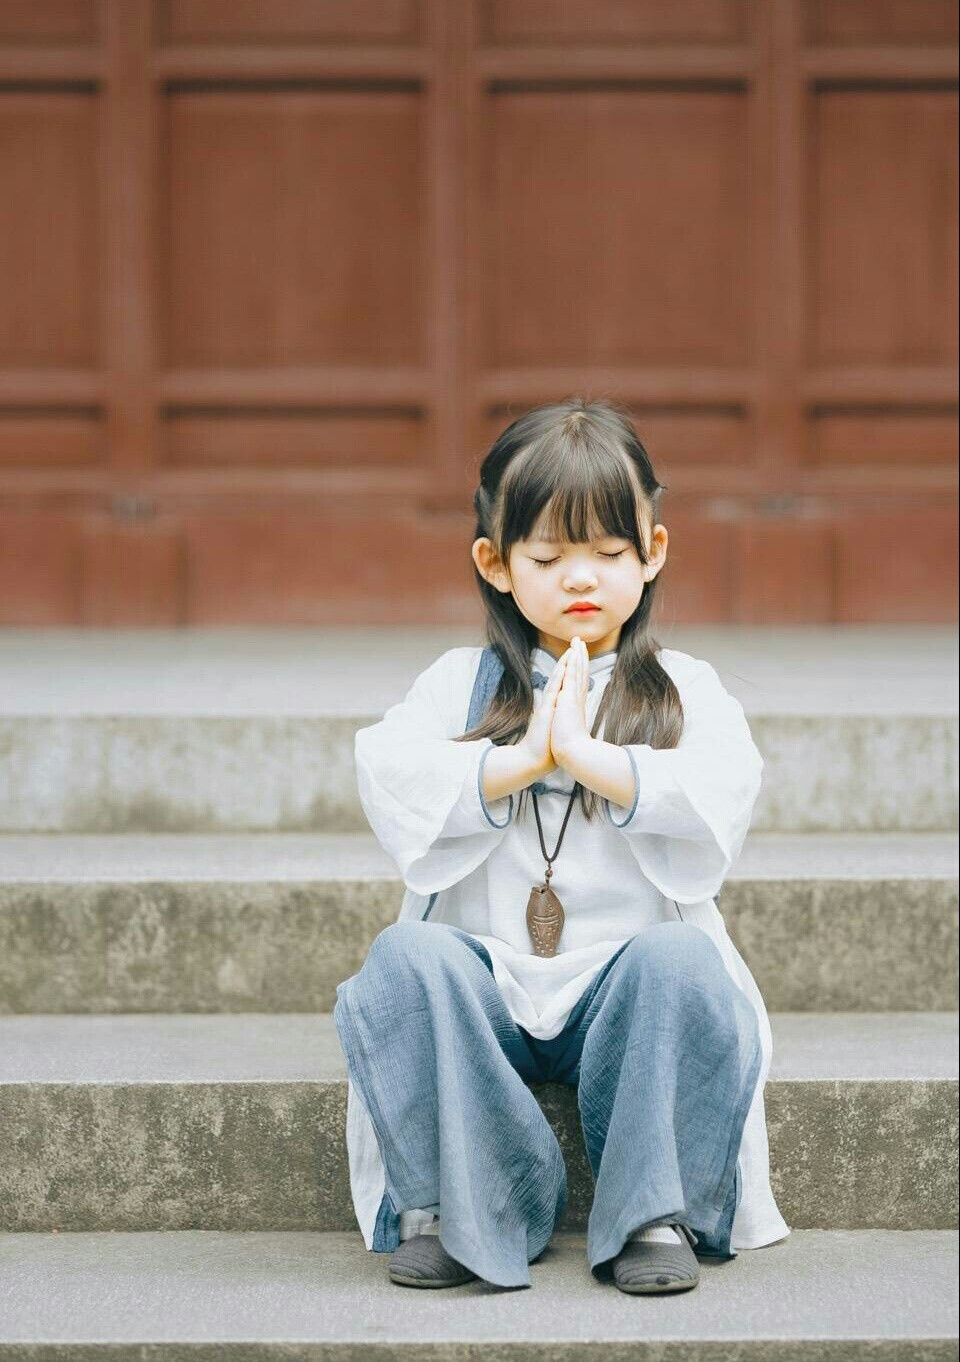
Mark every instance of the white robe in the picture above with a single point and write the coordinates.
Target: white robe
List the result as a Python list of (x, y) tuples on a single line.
[(663, 859)]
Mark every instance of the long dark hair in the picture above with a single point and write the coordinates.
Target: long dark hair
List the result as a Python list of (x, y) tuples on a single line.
[(585, 463)]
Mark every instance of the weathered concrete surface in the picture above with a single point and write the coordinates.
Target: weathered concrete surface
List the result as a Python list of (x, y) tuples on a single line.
[(274, 921), (804, 669), (220, 730), (816, 1296), (218, 1130), (220, 1122), (178, 774), (296, 774)]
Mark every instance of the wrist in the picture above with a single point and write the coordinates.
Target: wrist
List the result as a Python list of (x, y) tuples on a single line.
[(533, 768), (575, 753), (508, 769)]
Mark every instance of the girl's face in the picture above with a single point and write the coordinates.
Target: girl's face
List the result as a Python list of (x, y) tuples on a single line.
[(547, 578)]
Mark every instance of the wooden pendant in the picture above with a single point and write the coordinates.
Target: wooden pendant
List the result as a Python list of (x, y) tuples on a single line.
[(544, 920)]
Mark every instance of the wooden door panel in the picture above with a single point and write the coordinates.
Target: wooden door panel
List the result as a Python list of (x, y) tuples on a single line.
[(887, 435), (294, 228), (59, 439), (131, 574), (293, 21), (70, 22), (309, 566), (785, 573), (603, 21), (593, 192), (286, 438), (49, 228), (274, 276), (884, 270), (39, 567), (897, 565), (849, 22)]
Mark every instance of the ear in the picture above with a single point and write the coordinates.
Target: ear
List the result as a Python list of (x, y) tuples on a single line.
[(658, 552), (489, 565)]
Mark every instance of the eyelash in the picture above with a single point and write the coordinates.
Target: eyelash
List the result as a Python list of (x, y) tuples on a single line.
[(548, 562)]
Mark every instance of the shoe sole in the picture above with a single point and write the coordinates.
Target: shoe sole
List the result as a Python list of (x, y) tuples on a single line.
[(402, 1280), (658, 1288)]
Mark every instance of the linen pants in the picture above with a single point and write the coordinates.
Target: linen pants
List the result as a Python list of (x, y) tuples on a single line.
[(663, 1047)]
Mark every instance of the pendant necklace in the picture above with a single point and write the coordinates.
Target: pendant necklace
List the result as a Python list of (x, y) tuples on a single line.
[(544, 910)]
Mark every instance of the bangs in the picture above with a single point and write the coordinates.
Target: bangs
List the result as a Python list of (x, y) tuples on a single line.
[(572, 486)]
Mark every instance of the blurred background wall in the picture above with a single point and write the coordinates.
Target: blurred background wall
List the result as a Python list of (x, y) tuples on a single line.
[(273, 273)]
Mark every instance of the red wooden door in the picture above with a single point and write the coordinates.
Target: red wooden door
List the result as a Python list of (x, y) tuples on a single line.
[(272, 276)]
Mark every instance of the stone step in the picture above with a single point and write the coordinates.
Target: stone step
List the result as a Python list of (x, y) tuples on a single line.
[(274, 921), (819, 1294), (266, 773), (169, 1122), (252, 730)]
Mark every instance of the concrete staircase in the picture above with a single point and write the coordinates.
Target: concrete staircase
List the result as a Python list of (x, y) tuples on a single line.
[(185, 876)]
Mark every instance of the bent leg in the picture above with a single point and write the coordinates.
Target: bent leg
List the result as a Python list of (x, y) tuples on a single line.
[(440, 1063), (670, 1062)]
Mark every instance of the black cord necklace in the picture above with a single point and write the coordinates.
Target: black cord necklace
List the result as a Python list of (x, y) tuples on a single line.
[(545, 914)]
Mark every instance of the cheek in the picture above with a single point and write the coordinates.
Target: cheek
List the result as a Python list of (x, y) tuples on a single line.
[(527, 584), (534, 580), (628, 585)]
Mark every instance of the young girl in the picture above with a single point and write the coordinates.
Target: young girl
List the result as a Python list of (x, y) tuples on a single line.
[(563, 806)]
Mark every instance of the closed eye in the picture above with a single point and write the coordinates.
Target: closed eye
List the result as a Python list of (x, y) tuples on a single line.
[(548, 562)]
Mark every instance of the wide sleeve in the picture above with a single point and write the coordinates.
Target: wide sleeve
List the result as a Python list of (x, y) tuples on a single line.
[(421, 791), (693, 803)]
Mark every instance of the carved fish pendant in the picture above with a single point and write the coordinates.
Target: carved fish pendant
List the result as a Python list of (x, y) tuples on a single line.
[(544, 919)]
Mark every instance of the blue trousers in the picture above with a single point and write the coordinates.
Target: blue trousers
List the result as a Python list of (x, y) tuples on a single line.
[(665, 1053)]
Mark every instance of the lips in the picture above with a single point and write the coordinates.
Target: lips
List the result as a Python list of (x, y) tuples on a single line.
[(581, 609)]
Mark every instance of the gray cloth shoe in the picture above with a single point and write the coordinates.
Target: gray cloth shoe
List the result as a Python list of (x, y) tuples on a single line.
[(645, 1267), (423, 1261)]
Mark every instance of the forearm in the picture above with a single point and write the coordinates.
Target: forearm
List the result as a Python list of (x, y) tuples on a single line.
[(604, 767), (508, 769)]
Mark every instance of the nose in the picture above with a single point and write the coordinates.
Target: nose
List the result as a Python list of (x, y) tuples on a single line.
[(580, 579)]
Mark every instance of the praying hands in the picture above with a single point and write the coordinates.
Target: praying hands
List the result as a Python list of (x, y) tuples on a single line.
[(558, 736), (598, 765)]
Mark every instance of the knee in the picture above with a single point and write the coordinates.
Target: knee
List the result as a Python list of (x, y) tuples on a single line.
[(393, 963), (400, 935), (682, 958), (410, 945), (678, 950)]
